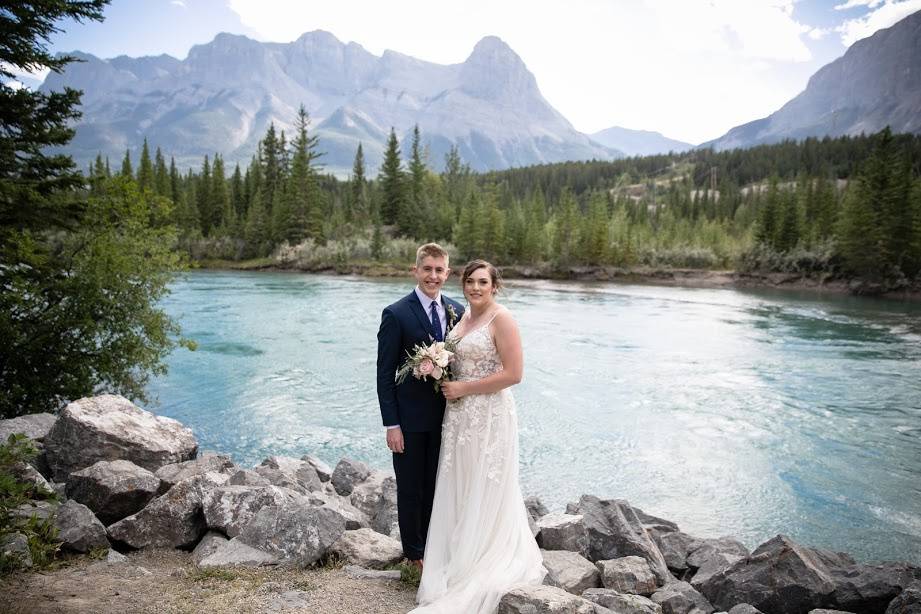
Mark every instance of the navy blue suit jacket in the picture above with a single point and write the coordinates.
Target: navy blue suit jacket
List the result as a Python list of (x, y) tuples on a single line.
[(414, 404)]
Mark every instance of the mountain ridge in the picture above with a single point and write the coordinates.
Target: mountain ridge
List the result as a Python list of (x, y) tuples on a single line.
[(223, 95)]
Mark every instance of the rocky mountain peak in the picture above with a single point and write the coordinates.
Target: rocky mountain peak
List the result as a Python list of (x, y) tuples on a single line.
[(494, 72)]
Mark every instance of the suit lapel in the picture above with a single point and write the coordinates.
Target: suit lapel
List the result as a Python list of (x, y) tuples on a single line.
[(419, 312)]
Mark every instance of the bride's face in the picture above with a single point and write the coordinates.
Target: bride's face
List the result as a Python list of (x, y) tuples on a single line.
[(479, 289)]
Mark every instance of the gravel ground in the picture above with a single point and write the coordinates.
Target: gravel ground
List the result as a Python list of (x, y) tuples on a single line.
[(165, 581)]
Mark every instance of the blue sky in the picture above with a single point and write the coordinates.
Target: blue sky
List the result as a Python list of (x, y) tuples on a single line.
[(690, 69)]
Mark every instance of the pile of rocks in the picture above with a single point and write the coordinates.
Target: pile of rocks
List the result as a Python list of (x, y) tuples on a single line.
[(133, 480)]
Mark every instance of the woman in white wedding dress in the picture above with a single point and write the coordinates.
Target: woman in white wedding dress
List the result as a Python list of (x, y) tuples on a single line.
[(479, 543)]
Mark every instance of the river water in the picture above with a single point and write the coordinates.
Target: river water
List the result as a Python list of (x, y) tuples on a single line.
[(742, 413)]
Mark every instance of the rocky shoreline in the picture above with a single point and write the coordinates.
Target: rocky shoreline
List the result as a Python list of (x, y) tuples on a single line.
[(130, 481), (686, 278)]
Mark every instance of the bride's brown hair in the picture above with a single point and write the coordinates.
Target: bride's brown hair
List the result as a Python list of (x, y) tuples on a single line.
[(473, 265)]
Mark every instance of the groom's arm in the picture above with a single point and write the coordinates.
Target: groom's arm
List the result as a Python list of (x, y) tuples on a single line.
[(389, 341)]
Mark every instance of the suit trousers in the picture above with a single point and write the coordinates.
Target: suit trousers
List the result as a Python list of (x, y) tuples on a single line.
[(416, 469)]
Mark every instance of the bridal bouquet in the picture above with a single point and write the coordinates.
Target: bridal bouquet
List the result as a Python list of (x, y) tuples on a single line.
[(425, 361)]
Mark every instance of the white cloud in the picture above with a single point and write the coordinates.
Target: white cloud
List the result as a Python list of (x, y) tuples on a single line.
[(885, 15), (818, 34), (853, 4), (179, 3)]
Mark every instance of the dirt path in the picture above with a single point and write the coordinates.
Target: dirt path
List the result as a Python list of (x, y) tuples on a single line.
[(167, 582)]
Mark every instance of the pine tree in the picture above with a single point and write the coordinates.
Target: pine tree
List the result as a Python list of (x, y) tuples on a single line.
[(161, 176), (392, 182), (767, 226), (145, 170), (203, 200), (595, 231), (174, 181), (271, 167), (305, 208), (238, 193), (127, 171), (788, 234), (357, 209), (220, 198)]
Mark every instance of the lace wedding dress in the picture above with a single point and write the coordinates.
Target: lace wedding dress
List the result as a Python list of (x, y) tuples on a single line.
[(479, 544)]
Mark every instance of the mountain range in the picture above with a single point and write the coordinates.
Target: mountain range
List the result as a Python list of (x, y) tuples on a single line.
[(877, 82), (224, 95)]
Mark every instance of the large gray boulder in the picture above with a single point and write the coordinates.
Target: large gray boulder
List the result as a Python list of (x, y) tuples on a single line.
[(295, 534), (230, 508), (570, 571), (354, 518), (34, 426), (247, 477), (367, 548), (614, 531), (324, 471), (681, 598), (744, 608), (347, 474), (113, 489), (376, 498), (674, 546), (562, 532), (651, 522), (78, 529), (173, 520), (28, 474), (292, 473), (780, 577), (712, 556), (41, 510), (536, 508), (629, 574), (621, 603), (235, 552), (172, 474), (870, 588), (209, 544), (545, 600), (15, 546), (908, 601), (110, 427)]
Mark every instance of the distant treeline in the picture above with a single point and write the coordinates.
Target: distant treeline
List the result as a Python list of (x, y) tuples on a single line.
[(847, 207)]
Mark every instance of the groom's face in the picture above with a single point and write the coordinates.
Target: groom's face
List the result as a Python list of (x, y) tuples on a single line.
[(431, 274)]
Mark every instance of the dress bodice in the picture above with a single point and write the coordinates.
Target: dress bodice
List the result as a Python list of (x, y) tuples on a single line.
[(476, 355)]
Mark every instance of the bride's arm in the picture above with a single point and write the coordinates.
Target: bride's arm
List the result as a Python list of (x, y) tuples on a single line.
[(508, 344)]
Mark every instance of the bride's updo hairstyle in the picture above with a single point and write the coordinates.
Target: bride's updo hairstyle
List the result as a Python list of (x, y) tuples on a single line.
[(473, 265)]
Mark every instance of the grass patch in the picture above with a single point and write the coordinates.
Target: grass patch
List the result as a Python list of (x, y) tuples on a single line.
[(213, 573), (409, 574)]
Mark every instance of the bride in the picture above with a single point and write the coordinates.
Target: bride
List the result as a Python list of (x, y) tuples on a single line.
[(479, 544)]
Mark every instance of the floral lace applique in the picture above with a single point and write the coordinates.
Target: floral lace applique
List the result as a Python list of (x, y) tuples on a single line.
[(479, 420)]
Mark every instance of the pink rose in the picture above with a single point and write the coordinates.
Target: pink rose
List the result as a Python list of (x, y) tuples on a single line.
[(426, 367)]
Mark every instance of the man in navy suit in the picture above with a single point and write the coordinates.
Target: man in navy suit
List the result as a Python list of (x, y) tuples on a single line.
[(413, 411)]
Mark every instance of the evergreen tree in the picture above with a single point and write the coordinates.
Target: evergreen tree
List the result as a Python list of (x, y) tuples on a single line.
[(271, 166), (127, 172), (203, 199), (392, 182), (357, 209), (305, 205), (174, 181), (221, 214), (161, 176), (80, 274), (145, 170), (767, 227), (238, 193), (788, 234)]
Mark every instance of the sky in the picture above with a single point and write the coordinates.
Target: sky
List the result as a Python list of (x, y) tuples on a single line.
[(690, 69)]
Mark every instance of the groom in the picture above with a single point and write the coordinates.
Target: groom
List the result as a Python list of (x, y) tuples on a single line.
[(412, 411)]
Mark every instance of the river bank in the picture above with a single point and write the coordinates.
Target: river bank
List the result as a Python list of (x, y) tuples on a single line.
[(272, 538), (671, 277)]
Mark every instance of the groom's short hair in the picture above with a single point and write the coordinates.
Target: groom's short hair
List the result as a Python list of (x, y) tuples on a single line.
[(430, 249)]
